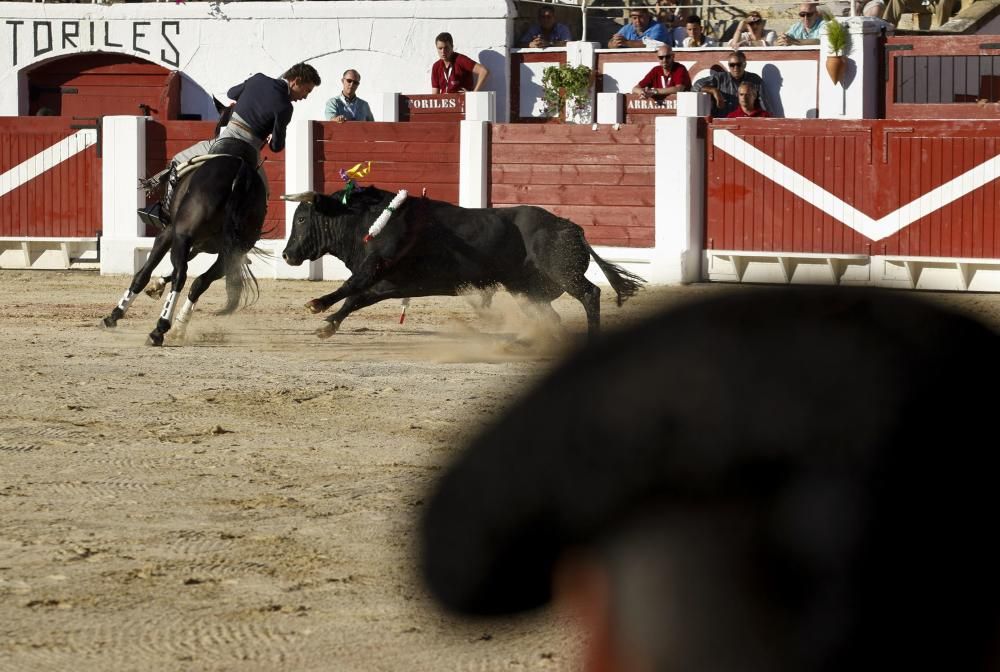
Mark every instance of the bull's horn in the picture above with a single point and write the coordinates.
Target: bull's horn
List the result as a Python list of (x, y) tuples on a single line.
[(303, 197)]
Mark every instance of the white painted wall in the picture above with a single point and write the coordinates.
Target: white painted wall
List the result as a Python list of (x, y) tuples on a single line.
[(218, 45)]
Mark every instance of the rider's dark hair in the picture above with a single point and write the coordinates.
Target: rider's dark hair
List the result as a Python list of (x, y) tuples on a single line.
[(446, 38), (303, 72)]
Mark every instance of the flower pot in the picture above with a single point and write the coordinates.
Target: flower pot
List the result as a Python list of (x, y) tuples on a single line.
[(835, 67)]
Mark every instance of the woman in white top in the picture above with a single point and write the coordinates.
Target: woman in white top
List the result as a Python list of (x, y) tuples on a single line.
[(751, 33)]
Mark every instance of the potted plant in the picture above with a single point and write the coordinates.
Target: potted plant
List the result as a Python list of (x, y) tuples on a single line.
[(838, 40), (564, 84)]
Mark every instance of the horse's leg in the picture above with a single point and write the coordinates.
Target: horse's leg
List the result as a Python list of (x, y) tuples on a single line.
[(198, 287), (179, 258), (365, 277), (155, 291), (160, 246)]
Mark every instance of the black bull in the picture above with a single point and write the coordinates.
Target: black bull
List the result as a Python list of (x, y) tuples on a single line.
[(433, 248)]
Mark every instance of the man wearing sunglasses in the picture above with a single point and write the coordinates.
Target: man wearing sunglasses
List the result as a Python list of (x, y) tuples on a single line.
[(664, 79), (347, 106), (724, 86), (640, 29), (805, 31)]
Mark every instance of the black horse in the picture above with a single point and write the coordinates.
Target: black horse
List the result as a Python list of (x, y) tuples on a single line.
[(219, 209)]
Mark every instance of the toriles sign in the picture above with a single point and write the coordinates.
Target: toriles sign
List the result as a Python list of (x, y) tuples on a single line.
[(32, 39)]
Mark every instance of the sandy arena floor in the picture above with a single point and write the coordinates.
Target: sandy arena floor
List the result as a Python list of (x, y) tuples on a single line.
[(247, 500)]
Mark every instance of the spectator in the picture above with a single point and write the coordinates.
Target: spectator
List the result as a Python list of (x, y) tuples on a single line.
[(641, 31), (747, 95), (873, 9), (664, 79), (724, 86), (751, 33), (806, 29), (807, 494), (672, 17), (347, 106), (546, 33), (453, 72), (696, 34), (942, 10)]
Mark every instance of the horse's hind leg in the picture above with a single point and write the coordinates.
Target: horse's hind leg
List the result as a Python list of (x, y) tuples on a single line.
[(179, 258), (156, 290), (160, 246), (198, 287)]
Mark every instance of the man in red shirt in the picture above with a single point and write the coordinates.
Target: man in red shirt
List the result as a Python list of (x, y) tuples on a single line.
[(666, 78), (453, 73), (747, 95)]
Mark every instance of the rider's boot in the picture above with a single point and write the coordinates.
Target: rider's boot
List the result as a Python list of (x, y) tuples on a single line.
[(158, 214)]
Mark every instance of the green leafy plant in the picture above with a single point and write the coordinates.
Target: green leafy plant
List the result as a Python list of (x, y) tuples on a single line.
[(566, 84), (837, 36)]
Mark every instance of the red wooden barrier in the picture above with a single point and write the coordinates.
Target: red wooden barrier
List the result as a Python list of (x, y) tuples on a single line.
[(165, 139), (603, 180), (63, 201), (403, 156), (909, 187)]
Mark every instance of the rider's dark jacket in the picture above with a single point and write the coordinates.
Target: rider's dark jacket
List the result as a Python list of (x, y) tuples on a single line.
[(266, 106)]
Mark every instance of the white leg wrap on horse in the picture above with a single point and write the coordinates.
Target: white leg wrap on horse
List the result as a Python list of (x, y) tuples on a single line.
[(126, 300), (185, 314), (168, 307)]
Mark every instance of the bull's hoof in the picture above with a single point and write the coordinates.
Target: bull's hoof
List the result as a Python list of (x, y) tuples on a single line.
[(315, 306), (109, 322), (155, 339), (327, 330)]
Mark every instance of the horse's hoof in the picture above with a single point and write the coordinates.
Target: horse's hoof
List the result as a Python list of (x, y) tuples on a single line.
[(109, 322), (315, 306), (327, 330), (155, 292), (155, 339)]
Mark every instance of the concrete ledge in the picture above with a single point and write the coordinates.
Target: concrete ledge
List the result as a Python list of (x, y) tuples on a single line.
[(786, 267), (49, 253), (937, 273)]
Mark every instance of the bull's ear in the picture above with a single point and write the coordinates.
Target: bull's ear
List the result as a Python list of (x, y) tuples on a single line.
[(302, 197)]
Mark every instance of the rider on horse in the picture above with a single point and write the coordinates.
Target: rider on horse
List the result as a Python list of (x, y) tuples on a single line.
[(261, 115)]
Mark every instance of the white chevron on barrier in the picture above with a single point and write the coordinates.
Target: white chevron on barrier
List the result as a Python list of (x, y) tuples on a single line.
[(817, 196), (47, 159)]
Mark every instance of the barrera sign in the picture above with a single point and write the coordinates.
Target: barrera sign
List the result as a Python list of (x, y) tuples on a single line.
[(433, 103), (645, 104), (31, 39)]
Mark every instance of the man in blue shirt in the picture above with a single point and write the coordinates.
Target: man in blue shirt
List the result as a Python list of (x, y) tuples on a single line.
[(347, 106), (261, 115), (805, 31), (640, 30), (546, 33)]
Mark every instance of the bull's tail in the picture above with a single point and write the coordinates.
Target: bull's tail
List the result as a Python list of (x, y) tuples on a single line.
[(242, 288), (625, 283)]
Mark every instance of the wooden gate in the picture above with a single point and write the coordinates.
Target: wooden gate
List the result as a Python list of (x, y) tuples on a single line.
[(404, 156), (903, 188), (50, 178), (932, 78), (601, 179)]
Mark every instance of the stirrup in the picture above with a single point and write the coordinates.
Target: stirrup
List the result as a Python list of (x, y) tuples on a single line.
[(153, 215)]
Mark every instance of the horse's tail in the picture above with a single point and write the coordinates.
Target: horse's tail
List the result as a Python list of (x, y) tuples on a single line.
[(624, 283), (242, 289)]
